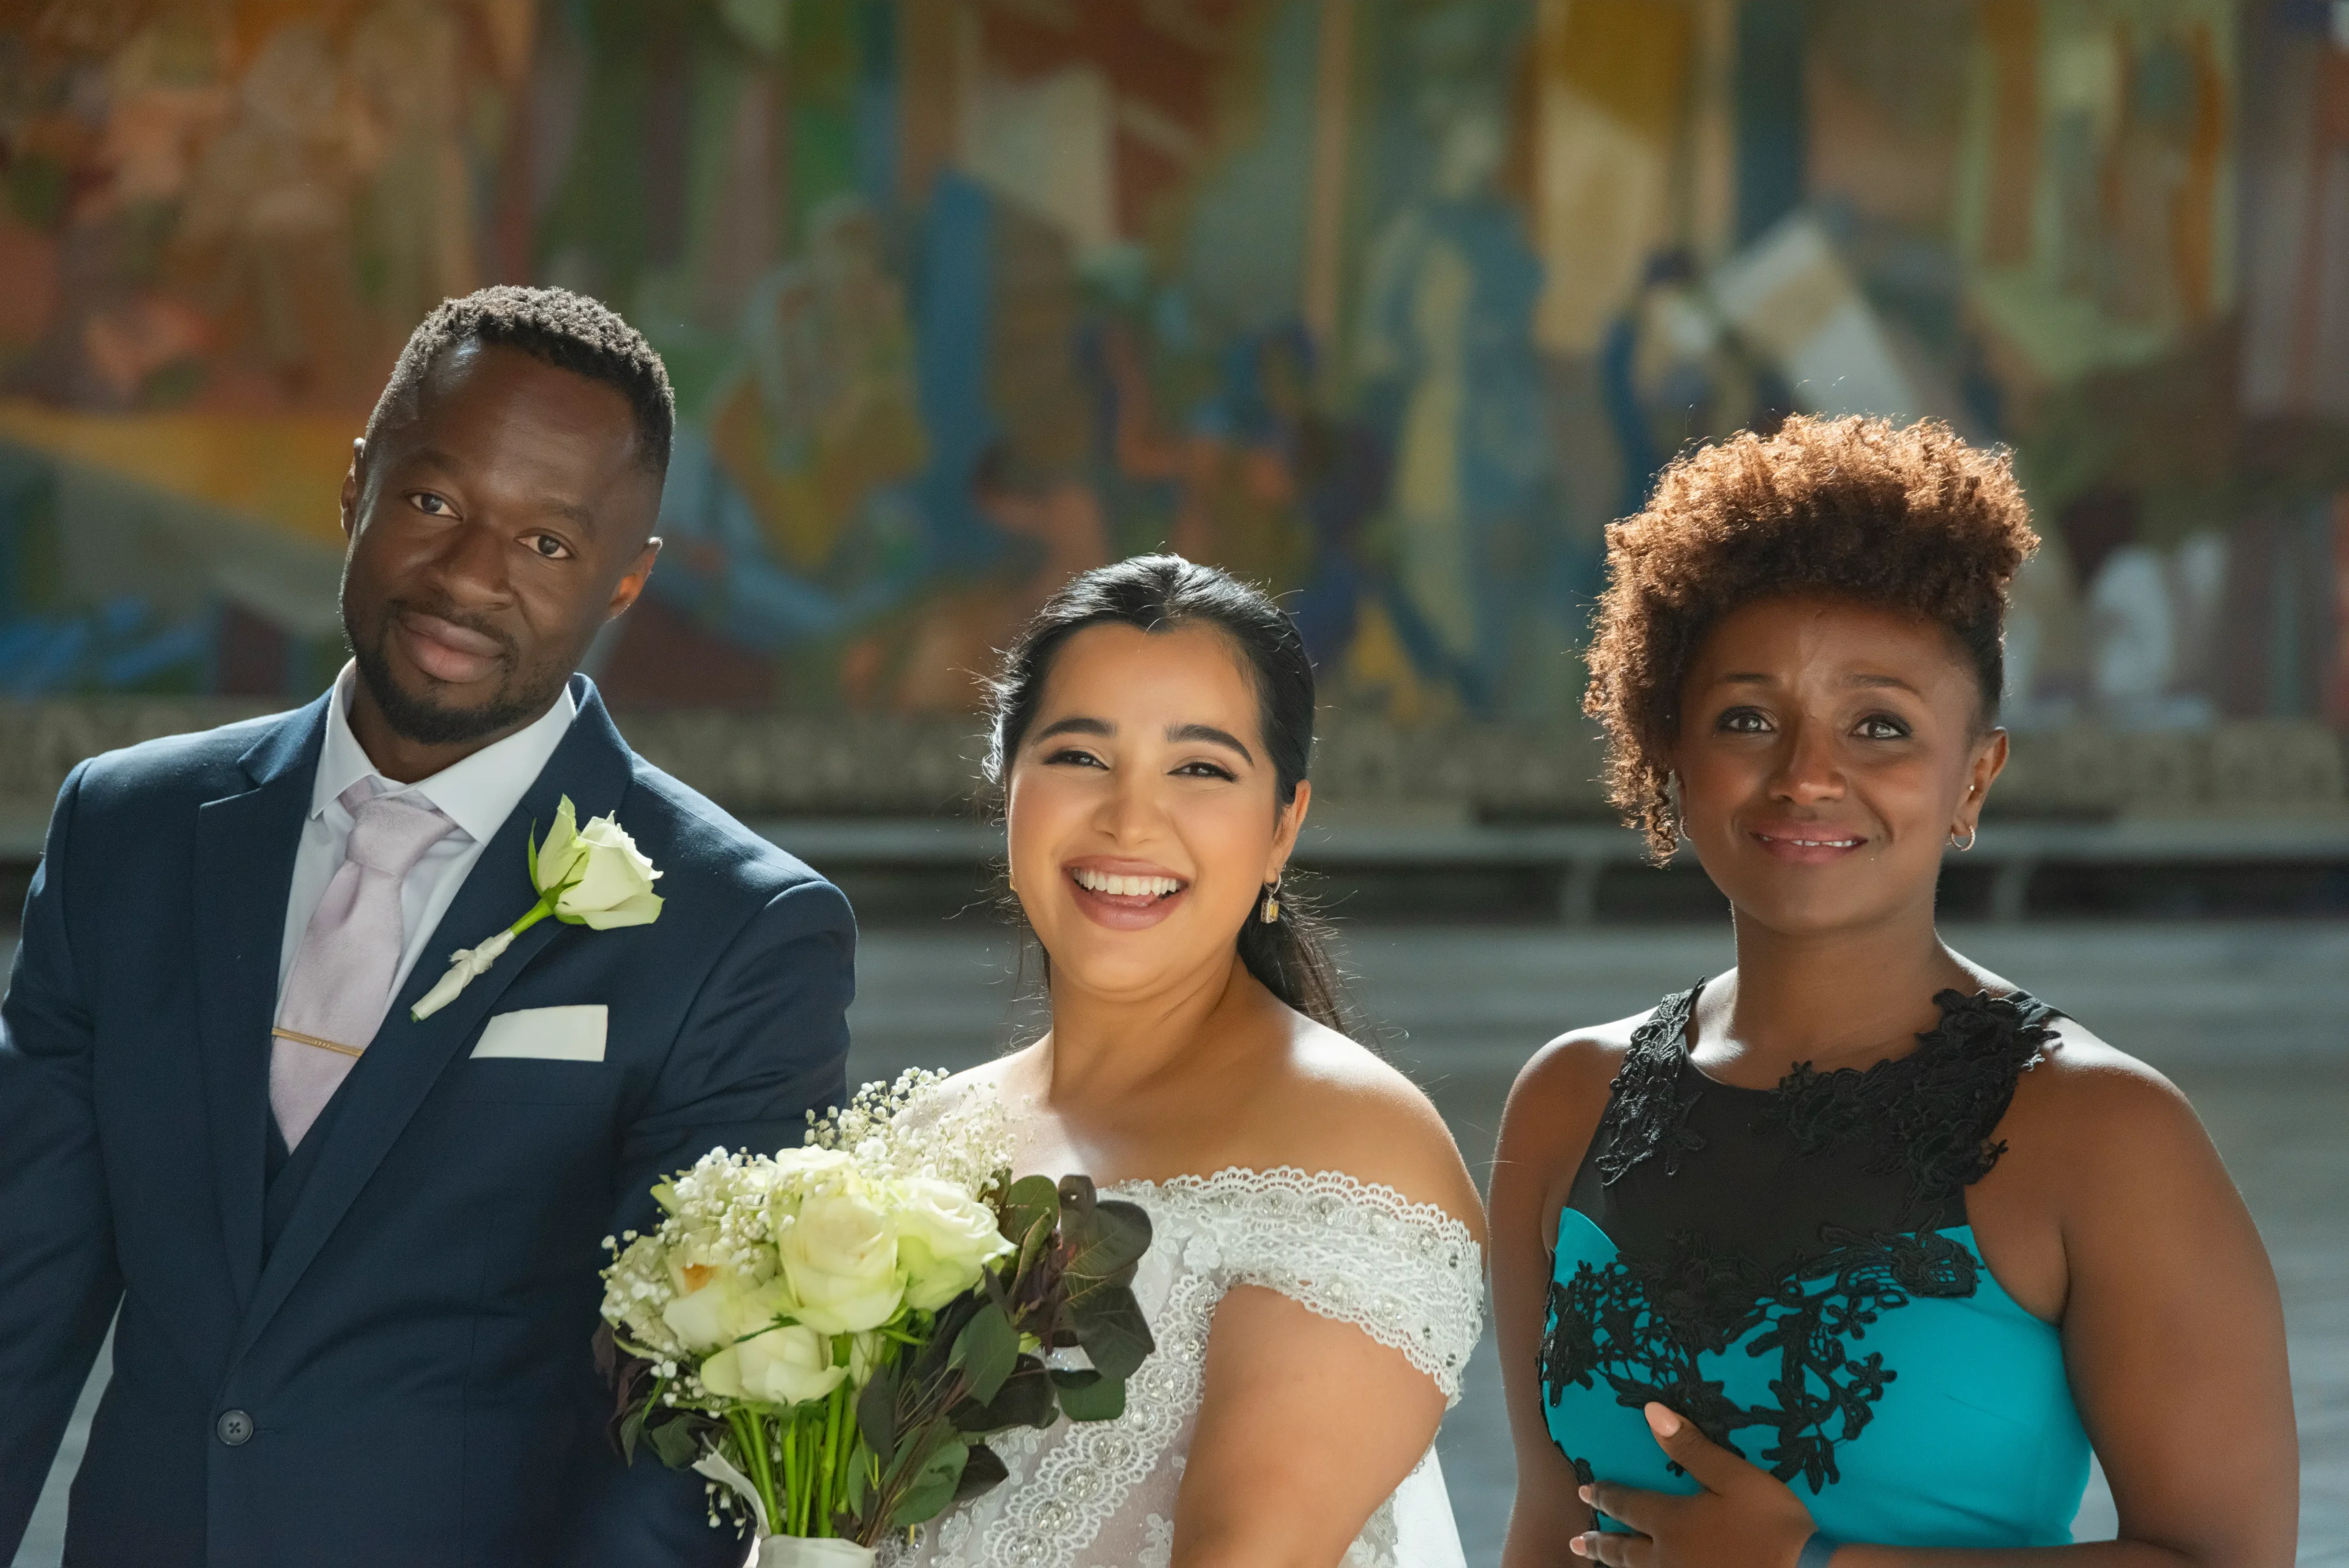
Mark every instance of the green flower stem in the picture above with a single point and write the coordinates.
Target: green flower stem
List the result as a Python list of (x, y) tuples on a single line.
[(538, 911), (831, 1453), (807, 1472), (803, 1472), (750, 1437), (787, 1435)]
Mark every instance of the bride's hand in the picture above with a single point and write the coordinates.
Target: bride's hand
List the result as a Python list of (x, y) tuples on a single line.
[(1744, 1518)]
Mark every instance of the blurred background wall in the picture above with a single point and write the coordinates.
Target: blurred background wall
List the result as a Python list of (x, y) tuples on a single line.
[(1391, 303)]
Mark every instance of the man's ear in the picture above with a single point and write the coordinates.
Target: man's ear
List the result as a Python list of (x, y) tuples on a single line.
[(350, 503), (632, 583)]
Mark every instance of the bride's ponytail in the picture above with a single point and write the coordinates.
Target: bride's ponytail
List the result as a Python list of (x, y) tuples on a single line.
[(1289, 955)]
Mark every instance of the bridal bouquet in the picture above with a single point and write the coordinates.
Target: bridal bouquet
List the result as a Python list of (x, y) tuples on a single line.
[(831, 1333)]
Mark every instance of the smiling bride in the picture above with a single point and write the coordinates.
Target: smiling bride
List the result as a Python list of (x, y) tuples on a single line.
[(1315, 1284)]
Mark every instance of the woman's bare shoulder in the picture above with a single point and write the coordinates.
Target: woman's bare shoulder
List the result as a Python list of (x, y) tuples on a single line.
[(1343, 1108), (2097, 1100), (1573, 1070), (2094, 1136)]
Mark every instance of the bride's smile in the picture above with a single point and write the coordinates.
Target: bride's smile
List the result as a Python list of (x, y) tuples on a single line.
[(1125, 895)]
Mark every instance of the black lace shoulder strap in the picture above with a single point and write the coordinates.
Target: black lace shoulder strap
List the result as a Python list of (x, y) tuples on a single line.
[(1649, 1102)]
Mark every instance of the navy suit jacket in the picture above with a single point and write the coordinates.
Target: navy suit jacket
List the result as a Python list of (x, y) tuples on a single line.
[(412, 1354)]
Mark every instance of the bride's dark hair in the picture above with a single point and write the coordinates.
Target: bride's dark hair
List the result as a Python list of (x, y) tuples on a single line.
[(1289, 956)]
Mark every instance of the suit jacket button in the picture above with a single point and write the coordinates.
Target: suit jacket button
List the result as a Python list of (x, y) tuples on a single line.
[(235, 1427)]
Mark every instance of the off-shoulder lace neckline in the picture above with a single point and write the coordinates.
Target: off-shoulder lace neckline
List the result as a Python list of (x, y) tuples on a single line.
[(1248, 1179)]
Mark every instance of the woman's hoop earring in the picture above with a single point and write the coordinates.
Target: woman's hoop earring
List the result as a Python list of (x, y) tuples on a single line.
[(1271, 910), (1971, 834)]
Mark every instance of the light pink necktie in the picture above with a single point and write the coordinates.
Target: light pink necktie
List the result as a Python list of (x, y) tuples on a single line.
[(341, 980)]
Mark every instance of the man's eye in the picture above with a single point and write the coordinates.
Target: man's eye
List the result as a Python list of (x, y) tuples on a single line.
[(431, 505), (548, 546)]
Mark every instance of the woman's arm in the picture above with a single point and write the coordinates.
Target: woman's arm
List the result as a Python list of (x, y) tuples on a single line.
[(1553, 1110), (2173, 1339), (1308, 1424), (2173, 1328)]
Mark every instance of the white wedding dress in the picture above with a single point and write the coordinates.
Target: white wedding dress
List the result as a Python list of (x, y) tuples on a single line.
[(1101, 1494)]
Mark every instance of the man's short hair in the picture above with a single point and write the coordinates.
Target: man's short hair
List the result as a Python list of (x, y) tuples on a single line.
[(555, 327)]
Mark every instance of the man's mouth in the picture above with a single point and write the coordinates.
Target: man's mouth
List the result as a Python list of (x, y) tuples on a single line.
[(446, 650)]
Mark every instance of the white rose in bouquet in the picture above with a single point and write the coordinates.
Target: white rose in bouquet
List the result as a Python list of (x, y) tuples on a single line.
[(786, 1365), (722, 1309), (946, 1239), (840, 1254)]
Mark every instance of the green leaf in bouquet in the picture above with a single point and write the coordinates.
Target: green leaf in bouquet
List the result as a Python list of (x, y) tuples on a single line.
[(632, 1428), (987, 1349), (877, 1414), (1024, 1400), (677, 1442), (982, 1472), (1088, 1396), (1111, 1328), (860, 1484), (1102, 1242), (1031, 1211), (934, 1487)]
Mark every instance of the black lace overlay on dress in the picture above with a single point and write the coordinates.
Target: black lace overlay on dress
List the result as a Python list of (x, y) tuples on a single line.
[(1648, 1107), (1926, 1116), (1785, 1220)]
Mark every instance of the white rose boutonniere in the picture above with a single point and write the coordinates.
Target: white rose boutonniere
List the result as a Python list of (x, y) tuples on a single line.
[(593, 877)]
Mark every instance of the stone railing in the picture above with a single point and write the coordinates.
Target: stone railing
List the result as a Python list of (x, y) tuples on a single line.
[(870, 765)]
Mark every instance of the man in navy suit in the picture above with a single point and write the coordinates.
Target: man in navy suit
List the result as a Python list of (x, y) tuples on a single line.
[(356, 1277)]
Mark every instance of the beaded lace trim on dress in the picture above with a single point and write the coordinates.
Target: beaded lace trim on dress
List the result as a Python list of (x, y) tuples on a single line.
[(1922, 1120), (1408, 1274)]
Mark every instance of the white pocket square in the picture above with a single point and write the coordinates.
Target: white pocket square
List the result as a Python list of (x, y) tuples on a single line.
[(545, 1033)]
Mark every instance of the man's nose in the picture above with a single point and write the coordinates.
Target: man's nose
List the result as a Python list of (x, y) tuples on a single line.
[(470, 565)]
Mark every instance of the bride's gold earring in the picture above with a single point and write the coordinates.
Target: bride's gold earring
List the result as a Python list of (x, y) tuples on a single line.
[(1271, 910)]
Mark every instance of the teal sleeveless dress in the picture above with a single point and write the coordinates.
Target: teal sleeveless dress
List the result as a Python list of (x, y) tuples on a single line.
[(1791, 1269)]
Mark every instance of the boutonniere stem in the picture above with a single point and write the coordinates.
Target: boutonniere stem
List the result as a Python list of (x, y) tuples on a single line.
[(593, 877)]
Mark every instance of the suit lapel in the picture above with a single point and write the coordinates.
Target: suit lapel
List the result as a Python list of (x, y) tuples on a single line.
[(245, 848), (406, 1058)]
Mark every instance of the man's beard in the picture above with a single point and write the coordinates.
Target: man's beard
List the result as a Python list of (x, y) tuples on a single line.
[(429, 723)]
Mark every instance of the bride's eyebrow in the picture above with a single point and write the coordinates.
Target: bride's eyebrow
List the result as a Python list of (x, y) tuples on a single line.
[(1077, 724), (1178, 733)]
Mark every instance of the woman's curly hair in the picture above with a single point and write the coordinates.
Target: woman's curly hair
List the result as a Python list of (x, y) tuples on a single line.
[(1907, 517)]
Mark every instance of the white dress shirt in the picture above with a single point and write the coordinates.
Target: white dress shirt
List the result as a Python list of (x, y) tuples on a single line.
[(477, 794)]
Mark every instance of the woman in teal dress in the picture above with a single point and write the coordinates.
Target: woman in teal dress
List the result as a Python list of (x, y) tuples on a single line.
[(1852, 1252)]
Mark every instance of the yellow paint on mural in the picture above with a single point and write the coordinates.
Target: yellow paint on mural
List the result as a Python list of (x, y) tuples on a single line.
[(1611, 78), (282, 469)]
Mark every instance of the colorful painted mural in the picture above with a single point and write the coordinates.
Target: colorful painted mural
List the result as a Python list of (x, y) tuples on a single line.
[(1389, 304)]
